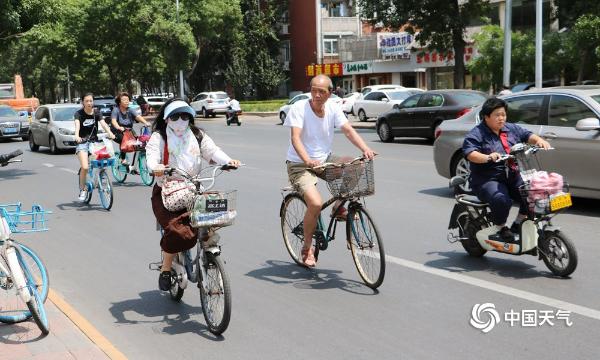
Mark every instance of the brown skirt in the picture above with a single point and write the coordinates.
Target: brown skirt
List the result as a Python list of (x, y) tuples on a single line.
[(178, 235)]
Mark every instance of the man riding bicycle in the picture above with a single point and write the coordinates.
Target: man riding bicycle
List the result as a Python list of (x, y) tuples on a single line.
[(312, 124)]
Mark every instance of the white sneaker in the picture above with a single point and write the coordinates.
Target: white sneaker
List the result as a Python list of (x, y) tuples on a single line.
[(82, 195)]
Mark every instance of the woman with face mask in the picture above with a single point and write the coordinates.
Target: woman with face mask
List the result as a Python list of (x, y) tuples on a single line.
[(175, 134)]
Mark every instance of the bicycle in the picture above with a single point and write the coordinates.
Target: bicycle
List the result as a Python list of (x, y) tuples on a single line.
[(210, 210), (23, 276), (349, 183), (98, 178), (120, 170)]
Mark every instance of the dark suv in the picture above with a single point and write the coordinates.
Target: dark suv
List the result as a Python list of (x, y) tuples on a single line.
[(104, 104)]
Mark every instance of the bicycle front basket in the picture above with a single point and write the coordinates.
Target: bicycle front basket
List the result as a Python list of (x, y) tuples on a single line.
[(21, 221), (213, 209), (351, 180)]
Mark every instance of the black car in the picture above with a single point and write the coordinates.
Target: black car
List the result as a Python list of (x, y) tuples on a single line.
[(104, 104), (421, 114)]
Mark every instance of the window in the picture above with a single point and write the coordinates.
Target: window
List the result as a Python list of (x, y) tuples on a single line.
[(298, 98), (330, 46), (399, 95), (374, 96), (7, 111), (566, 111), (525, 109), (468, 99), (41, 113), (411, 102), (64, 113), (431, 100)]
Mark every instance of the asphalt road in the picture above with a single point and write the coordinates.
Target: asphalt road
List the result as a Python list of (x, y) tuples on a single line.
[(98, 261)]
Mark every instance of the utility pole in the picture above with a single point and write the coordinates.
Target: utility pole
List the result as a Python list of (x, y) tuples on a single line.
[(68, 85), (507, 42), (181, 94), (538, 44)]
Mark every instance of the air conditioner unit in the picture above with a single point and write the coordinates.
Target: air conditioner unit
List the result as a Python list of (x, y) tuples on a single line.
[(286, 65)]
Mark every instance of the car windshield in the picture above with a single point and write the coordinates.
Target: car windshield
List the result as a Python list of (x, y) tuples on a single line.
[(400, 95), (220, 96), (469, 99), (64, 113), (7, 111), (519, 87), (596, 98)]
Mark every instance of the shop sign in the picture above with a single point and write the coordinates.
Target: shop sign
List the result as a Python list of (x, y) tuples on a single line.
[(395, 44), (358, 67), (434, 57), (327, 69)]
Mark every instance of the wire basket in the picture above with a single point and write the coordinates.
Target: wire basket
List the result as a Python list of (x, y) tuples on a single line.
[(102, 163), (213, 209), (546, 201), (21, 221), (351, 180)]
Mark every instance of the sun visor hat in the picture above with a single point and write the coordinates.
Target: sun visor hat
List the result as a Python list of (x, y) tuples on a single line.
[(177, 107)]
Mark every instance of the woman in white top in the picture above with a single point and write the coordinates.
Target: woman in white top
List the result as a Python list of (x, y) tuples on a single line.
[(186, 146)]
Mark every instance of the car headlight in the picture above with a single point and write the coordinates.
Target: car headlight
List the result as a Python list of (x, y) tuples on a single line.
[(66, 131)]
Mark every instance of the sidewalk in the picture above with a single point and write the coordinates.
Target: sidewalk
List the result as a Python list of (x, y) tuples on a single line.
[(24, 341)]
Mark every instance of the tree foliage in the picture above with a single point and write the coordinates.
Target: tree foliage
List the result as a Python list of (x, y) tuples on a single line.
[(440, 23)]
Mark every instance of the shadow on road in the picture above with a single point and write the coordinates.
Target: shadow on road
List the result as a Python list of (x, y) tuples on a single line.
[(283, 273), (508, 267), (13, 174), (156, 307), (444, 192), (21, 333), (79, 206)]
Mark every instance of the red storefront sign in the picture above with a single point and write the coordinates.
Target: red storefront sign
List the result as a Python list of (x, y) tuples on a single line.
[(436, 57), (328, 69)]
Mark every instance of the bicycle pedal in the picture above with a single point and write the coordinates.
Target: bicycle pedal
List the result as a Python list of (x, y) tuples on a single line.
[(155, 266)]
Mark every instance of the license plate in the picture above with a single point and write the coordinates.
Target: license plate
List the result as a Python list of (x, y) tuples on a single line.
[(10, 130), (216, 205), (560, 202)]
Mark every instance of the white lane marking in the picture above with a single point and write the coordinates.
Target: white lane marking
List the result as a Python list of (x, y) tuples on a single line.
[(69, 170), (507, 290), (48, 165)]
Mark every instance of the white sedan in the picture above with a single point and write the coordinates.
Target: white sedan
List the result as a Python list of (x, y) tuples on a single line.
[(285, 108), (378, 102), (348, 102)]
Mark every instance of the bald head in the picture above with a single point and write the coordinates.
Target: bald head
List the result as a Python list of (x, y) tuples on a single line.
[(322, 81)]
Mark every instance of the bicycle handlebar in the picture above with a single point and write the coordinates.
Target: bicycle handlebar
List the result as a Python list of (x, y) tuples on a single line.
[(530, 150), (5, 159), (330, 164), (196, 179)]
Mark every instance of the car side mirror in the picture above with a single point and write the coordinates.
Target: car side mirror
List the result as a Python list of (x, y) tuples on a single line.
[(44, 120), (588, 124), (385, 100), (396, 106)]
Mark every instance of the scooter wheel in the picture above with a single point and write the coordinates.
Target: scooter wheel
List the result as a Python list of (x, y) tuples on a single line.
[(558, 253)]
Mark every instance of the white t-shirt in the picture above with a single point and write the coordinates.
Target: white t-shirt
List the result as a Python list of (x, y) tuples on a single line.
[(235, 105), (317, 133)]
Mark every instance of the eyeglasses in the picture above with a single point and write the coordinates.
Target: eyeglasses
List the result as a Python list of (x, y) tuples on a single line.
[(180, 116)]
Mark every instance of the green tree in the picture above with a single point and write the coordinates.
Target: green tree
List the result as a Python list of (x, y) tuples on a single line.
[(20, 16), (586, 35), (440, 23)]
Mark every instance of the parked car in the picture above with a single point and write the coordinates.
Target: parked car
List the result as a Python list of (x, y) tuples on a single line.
[(155, 102), (377, 102), (367, 89), (211, 103), (12, 124), (53, 125), (421, 114), (348, 102), (568, 117), (285, 108), (530, 85), (104, 104)]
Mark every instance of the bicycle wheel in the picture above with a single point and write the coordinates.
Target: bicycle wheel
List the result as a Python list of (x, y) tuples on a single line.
[(215, 294), (12, 308), (35, 303), (105, 190), (366, 246), (145, 174), (292, 213), (119, 170)]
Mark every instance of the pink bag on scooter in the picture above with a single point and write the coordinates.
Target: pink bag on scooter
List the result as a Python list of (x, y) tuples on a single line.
[(542, 185)]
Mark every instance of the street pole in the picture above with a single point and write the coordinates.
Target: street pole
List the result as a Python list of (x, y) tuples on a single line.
[(180, 71), (538, 44), (319, 39), (68, 85), (507, 42)]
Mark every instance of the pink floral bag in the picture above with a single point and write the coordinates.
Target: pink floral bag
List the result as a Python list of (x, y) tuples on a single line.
[(177, 194)]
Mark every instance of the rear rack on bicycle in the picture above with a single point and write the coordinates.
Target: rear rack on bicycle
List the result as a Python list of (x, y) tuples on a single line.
[(102, 163), (21, 221)]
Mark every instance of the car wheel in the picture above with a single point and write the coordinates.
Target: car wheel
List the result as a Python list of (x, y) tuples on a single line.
[(352, 111), (213, 115), (32, 145), (361, 115), (385, 132), (282, 117), (204, 113), (53, 147), (460, 167)]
